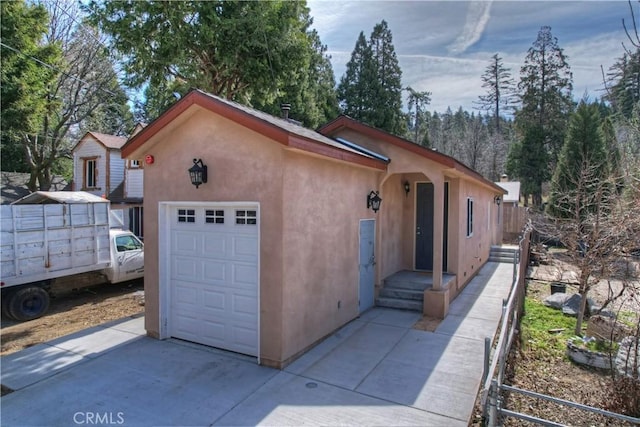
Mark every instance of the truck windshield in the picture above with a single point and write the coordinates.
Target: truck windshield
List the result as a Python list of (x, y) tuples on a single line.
[(127, 243)]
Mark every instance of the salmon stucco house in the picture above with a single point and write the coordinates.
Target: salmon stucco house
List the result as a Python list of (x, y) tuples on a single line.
[(278, 245)]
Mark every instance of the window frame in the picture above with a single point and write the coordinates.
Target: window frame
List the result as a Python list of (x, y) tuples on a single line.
[(469, 216), (86, 162)]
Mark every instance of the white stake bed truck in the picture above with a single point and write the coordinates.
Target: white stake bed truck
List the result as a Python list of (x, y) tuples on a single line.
[(62, 236)]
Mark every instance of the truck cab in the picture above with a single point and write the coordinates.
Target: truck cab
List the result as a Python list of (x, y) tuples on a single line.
[(127, 257)]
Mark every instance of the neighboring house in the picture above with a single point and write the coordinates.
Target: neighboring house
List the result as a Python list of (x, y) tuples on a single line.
[(14, 186), (99, 168), (280, 247), (512, 198), (514, 216)]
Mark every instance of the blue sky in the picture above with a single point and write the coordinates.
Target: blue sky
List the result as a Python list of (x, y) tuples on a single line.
[(445, 46)]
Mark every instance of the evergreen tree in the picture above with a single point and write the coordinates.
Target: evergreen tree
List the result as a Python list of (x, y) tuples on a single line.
[(545, 93), (582, 166), (389, 78), (358, 85), (528, 160), (545, 90), (500, 88), (371, 89), (418, 120), (256, 53), (623, 82), (24, 79)]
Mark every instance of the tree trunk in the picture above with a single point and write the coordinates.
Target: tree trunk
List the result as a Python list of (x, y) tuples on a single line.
[(583, 307)]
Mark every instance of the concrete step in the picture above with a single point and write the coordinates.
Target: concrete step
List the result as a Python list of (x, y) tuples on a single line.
[(508, 260), (502, 254), (402, 304), (398, 293), (407, 284)]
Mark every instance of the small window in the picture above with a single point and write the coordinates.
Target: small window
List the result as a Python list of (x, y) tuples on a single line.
[(127, 243), (469, 217), (214, 217), (90, 173), (186, 215), (134, 164), (246, 217)]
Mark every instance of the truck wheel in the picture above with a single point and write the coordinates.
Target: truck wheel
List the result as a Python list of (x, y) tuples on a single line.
[(28, 303), (6, 296)]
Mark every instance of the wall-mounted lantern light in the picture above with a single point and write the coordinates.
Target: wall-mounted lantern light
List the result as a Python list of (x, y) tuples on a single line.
[(198, 173), (407, 188), (497, 200), (373, 201)]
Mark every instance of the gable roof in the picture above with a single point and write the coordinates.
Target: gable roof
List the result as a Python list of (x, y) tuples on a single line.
[(513, 191), (346, 122), (111, 142), (278, 129)]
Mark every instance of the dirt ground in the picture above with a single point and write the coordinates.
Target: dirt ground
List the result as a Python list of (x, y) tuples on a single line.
[(73, 311), (562, 378)]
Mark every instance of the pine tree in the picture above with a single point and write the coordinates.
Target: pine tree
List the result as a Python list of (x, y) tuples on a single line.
[(545, 93), (418, 120), (357, 85), (388, 115), (500, 88), (25, 81), (371, 89), (582, 166), (545, 90)]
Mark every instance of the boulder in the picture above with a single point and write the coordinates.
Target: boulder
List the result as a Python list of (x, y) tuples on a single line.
[(572, 305), (556, 300), (627, 358)]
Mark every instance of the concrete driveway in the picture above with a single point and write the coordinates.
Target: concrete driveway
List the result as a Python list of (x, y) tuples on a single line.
[(376, 370)]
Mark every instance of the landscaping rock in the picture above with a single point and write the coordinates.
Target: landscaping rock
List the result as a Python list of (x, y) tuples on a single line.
[(556, 300), (572, 305), (627, 357), (587, 357)]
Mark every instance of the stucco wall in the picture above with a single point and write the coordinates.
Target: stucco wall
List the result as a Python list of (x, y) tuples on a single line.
[(464, 255), (242, 166), (323, 204)]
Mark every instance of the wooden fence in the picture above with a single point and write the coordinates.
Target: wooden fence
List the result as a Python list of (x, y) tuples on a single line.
[(514, 219)]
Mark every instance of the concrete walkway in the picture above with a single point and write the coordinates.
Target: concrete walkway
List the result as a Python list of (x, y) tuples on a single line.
[(376, 370)]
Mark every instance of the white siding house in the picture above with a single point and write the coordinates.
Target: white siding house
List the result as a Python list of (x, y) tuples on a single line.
[(99, 168)]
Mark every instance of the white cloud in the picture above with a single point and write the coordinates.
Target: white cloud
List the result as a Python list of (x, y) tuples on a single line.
[(478, 14)]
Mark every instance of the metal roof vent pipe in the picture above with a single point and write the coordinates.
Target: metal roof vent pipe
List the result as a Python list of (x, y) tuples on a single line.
[(285, 108)]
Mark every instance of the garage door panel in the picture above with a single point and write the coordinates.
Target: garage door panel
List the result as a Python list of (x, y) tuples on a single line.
[(187, 269), (245, 248), (216, 245), (213, 257), (244, 276), (185, 242), (214, 300), (244, 307), (214, 332), (185, 293), (244, 337), (215, 271)]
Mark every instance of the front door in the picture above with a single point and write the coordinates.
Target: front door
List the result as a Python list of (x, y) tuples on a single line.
[(424, 226), (366, 264)]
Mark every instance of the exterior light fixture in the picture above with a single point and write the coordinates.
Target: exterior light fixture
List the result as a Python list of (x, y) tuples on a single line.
[(407, 188), (497, 200), (198, 173), (373, 201)]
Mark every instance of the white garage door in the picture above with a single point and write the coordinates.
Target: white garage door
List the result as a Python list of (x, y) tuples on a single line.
[(214, 261)]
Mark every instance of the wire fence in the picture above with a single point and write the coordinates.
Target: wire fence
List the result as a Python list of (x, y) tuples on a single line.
[(494, 389)]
